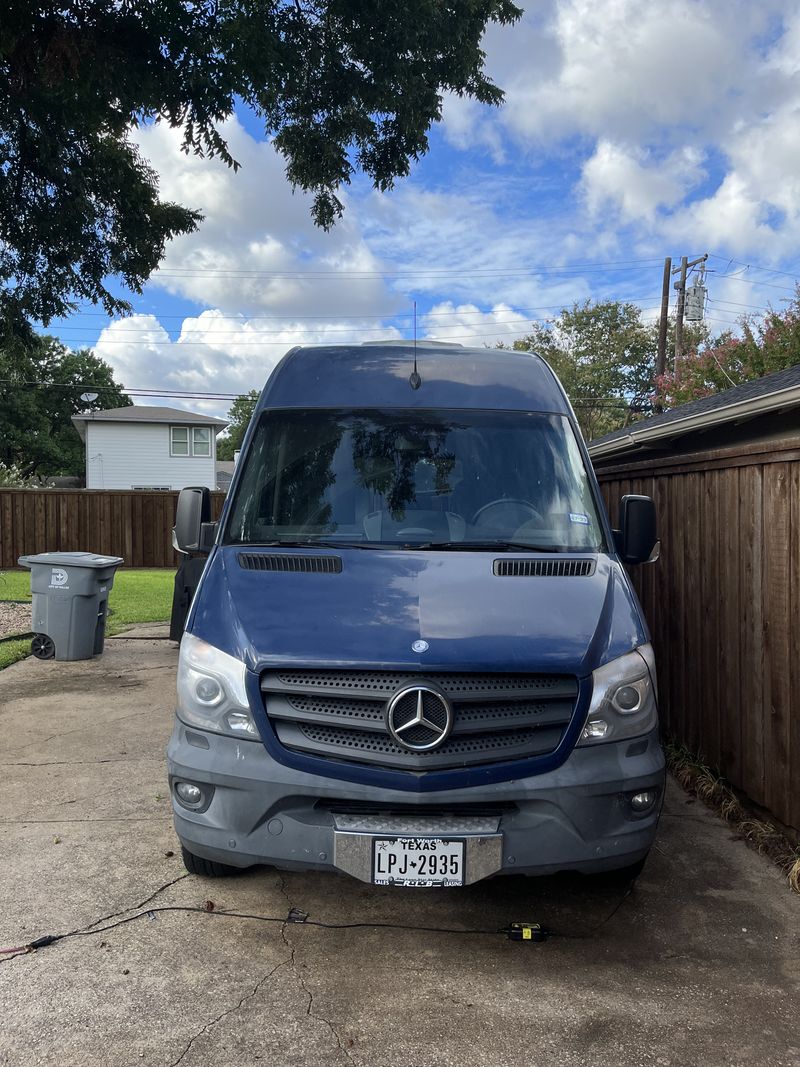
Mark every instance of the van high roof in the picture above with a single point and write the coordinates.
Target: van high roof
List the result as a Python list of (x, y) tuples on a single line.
[(376, 375)]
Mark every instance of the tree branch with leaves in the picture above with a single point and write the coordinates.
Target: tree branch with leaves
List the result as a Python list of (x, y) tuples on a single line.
[(340, 86)]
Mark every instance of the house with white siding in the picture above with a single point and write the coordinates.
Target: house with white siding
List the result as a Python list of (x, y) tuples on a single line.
[(142, 447)]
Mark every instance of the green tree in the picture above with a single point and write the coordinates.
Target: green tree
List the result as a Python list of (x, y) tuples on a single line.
[(767, 343), (239, 416), (36, 432), (604, 355), (340, 86)]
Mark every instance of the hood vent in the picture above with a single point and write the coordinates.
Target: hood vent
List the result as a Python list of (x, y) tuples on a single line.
[(261, 561), (544, 568)]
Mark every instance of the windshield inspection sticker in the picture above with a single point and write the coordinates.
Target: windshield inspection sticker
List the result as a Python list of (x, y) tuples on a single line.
[(576, 516)]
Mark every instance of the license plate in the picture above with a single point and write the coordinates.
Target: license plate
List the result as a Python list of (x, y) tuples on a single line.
[(422, 861)]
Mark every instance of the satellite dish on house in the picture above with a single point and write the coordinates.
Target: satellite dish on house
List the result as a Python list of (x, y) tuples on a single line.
[(87, 398)]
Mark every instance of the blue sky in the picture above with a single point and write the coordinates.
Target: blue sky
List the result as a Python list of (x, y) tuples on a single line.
[(629, 133)]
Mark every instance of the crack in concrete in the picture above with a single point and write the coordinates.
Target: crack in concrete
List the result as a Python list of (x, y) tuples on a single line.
[(229, 1011), (58, 822), (88, 762), (113, 914), (77, 730), (141, 904), (310, 1013)]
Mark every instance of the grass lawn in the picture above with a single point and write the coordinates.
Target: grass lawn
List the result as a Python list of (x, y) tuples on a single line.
[(11, 651), (137, 596)]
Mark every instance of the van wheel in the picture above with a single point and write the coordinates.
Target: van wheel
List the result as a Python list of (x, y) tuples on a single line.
[(208, 868), (622, 876)]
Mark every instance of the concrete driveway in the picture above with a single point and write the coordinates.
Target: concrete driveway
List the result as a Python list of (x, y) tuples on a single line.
[(700, 965)]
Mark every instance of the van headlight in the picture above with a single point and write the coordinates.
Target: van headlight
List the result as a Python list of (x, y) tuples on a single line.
[(623, 700), (211, 690)]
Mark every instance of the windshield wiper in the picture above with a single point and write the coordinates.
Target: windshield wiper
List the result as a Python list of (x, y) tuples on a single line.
[(312, 542), (490, 545), (494, 545)]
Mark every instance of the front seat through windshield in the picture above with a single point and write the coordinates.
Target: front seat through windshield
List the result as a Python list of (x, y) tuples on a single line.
[(415, 478)]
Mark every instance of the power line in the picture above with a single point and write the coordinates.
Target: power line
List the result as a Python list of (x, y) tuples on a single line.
[(394, 316), (464, 320), (211, 396), (733, 303), (261, 338), (427, 272), (753, 281), (754, 266)]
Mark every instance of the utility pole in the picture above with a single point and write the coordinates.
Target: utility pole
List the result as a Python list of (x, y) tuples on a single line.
[(661, 355), (681, 287)]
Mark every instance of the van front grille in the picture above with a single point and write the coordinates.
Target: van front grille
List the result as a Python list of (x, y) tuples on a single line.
[(342, 715)]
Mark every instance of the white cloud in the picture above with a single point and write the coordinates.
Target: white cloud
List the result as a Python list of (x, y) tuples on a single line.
[(469, 126), (627, 71), (630, 179), (214, 353), (257, 249), (682, 118), (479, 245), (466, 324), (629, 130)]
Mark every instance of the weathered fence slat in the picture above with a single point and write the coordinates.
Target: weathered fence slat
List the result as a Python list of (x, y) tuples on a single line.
[(136, 525), (723, 605)]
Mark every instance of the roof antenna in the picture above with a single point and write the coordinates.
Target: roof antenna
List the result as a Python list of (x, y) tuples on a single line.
[(415, 381)]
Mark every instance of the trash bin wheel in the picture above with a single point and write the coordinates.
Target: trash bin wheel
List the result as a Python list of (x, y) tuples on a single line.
[(42, 646)]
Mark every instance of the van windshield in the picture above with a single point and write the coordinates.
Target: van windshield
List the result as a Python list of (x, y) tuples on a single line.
[(396, 478)]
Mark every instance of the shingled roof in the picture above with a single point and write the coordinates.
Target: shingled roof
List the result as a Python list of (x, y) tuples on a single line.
[(773, 392), (143, 413)]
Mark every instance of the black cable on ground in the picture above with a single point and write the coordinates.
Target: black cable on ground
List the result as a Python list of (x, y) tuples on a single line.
[(514, 931)]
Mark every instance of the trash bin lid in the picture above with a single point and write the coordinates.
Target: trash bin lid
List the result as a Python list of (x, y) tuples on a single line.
[(71, 559)]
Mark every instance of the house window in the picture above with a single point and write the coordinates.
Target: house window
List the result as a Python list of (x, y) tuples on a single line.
[(179, 440), (201, 441), (190, 441)]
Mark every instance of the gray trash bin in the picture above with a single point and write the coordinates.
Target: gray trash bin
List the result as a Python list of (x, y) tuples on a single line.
[(70, 602)]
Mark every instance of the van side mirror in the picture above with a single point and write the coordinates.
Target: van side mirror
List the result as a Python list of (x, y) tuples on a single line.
[(192, 521), (636, 538)]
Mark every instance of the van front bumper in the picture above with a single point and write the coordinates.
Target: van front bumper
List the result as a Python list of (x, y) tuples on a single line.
[(256, 811)]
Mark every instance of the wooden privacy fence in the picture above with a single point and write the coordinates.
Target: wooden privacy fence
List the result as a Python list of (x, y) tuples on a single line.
[(136, 525), (723, 605)]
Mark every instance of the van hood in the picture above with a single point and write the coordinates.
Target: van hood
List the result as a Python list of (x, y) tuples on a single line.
[(382, 602)]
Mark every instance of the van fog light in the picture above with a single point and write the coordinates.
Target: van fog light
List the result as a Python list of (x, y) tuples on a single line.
[(595, 729), (188, 793), (641, 802)]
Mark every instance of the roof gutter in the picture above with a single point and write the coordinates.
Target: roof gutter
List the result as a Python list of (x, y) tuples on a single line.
[(644, 437)]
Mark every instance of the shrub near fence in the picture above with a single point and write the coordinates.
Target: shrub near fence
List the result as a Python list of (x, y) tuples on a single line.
[(723, 605), (136, 525)]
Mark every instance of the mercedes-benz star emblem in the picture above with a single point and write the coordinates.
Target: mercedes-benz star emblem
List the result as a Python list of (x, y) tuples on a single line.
[(420, 646), (419, 718)]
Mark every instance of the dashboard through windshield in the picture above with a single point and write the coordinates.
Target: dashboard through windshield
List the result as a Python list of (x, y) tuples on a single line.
[(416, 478)]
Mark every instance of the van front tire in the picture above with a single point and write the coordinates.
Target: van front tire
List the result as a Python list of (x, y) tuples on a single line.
[(208, 868), (622, 876)]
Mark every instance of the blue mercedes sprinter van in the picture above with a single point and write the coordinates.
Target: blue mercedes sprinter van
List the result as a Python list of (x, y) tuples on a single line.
[(414, 654)]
